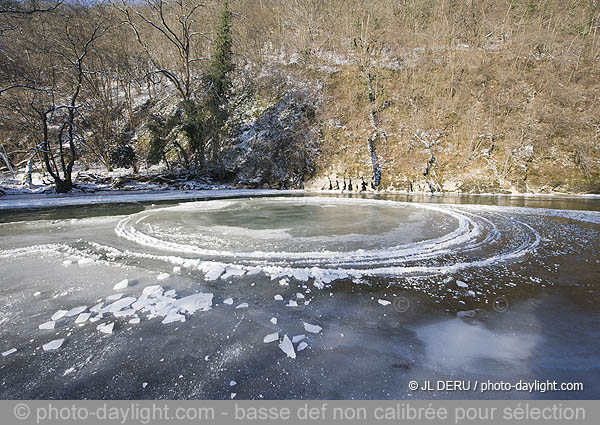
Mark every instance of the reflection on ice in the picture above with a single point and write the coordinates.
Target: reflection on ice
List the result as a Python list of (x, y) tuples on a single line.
[(455, 344)]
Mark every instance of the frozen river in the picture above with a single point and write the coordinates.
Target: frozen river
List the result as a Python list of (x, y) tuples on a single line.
[(300, 297)]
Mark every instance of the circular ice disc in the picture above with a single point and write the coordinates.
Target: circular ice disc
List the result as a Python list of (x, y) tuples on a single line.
[(293, 225)]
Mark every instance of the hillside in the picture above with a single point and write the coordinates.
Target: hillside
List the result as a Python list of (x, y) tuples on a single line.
[(467, 120), (388, 96)]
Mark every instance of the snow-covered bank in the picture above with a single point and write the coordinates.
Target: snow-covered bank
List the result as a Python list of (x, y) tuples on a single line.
[(9, 202), (554, 195), (44, 200)]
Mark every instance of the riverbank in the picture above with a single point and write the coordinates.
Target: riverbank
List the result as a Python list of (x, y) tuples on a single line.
[(23, 200), (121, 187), (20, 201)]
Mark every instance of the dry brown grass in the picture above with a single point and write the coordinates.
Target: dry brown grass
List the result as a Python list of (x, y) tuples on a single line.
[(543, 121)]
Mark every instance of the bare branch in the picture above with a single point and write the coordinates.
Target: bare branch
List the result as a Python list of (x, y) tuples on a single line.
[(14, 11)]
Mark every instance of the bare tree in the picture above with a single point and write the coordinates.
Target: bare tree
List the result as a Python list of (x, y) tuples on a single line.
[(175, 22), (78, 43), (45, 83), (367, 49), (27, 8), (116, 71)]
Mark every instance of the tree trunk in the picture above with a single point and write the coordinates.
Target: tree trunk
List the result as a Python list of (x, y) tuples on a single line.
[(8, 164), (371, 139), (63, 186), (28, 180)]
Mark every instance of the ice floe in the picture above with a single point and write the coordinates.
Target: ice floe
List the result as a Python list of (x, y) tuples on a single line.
[(271, 338), (121, 285), (212, 271), (233, 272), (119, 305), (287, 347), (53, 345), (173, 317), (75, 311), (97, 307), (82, 318), (48, 325), (298, 338), (315, 329), (107, 328), (152, 291), (461, 284), (59, 315)]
